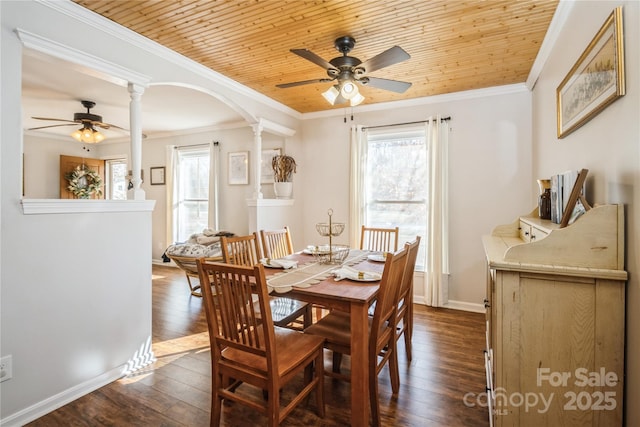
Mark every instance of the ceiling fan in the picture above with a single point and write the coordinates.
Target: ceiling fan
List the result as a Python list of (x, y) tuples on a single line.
[(348, 70), (87, 133)]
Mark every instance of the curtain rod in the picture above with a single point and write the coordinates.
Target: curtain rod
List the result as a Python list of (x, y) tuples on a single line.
[(175, 147), (444, 119)]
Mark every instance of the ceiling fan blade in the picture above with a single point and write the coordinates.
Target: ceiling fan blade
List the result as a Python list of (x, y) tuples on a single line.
[(54, 126), (392, 85), (108, 126), (304, 82), (384, 59), (55, 120), (310, 56)]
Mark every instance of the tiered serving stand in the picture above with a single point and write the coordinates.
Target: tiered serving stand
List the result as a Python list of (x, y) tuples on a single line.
[(332, 254)]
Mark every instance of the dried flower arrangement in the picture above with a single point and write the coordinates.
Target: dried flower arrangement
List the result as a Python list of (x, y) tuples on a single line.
[(283, 168)]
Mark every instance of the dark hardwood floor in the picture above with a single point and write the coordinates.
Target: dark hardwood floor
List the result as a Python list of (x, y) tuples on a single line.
[(447, 364)]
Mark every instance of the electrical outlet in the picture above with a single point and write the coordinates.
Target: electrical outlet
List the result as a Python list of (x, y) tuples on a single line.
[(6, 368)]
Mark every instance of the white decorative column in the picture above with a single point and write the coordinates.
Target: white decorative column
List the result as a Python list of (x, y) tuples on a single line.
[(135, 125), (256, 159)]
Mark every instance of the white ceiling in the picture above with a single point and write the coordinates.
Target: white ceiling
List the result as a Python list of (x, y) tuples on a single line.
[(53, 88)]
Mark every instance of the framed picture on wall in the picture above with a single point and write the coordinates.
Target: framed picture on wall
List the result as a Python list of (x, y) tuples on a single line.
[(238, 166), (595, 80), (157, 175), (266, 171)]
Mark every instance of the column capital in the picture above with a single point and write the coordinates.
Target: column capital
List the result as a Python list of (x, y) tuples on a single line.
[(135, 89)]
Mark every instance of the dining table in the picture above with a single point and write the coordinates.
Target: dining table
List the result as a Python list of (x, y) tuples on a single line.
[(313, 281)]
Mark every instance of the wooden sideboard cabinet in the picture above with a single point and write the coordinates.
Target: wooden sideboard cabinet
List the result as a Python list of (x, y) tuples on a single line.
[(555, 312)]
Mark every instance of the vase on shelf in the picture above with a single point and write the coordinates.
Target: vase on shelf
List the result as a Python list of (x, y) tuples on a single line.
[(283, 190), (544, 200)]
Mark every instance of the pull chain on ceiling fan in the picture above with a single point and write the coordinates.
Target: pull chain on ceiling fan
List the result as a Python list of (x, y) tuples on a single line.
[(348, 71)]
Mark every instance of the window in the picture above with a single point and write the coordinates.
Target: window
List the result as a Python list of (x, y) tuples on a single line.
[(395, 183), (191, 209), (116, 182)]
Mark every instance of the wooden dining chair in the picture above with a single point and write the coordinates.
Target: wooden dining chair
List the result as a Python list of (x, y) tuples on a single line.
[(404, 299), (246, 347), (335, 328), (379, 239), (276, 243), (245, 250)]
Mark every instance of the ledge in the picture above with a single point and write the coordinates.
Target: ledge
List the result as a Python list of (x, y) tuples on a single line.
[(67, 206), (269, 202)]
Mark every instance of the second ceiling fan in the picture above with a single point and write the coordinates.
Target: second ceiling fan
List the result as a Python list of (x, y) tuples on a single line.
[(89, 121), (349, 71)]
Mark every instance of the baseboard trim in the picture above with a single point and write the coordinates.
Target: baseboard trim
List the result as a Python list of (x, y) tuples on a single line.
[(52, 403), (455, 305), (142, 358), (465, 306)]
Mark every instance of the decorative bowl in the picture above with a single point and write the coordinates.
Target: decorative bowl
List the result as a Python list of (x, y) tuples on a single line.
[(336, 255), (336, 228)]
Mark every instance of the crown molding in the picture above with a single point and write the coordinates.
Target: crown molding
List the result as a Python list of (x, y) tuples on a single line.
[(101, 23), (107, 70), (215, 128), (551, 37), (427, 100)]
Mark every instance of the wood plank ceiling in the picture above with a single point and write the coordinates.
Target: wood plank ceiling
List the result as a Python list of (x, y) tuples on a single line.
[(454, 45)]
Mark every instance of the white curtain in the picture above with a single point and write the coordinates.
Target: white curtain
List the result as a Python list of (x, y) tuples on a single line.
[(214, 188), (172, 191), (358, 163), (437, 249)]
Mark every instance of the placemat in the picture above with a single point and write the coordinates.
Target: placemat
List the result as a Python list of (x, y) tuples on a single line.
[(310, 273)]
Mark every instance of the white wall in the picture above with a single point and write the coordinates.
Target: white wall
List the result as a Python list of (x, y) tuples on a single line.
[(608, 145), (76, 286), (75, 305), (490, 173)]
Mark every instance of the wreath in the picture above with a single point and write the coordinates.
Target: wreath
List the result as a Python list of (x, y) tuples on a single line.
[(83, 182)]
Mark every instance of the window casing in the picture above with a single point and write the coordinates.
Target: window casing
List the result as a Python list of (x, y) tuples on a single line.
[(395, 183), (191, 212), (116, 179)]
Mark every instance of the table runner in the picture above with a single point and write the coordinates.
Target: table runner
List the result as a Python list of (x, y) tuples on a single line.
[(310, 273)]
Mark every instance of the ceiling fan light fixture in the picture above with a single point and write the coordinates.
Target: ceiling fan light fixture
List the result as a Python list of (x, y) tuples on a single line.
[(88, 135), (356, 100), (331, 94), (77, 135), (98, 136), (349, 90)]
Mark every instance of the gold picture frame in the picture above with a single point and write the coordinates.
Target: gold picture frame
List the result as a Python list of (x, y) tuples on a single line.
[(595, 80)]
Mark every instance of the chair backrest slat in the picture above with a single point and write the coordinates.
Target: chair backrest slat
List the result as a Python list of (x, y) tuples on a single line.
[(241, 250), (276, 243), (233, 319), (384, 313), (379, 239), (407, 278)]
